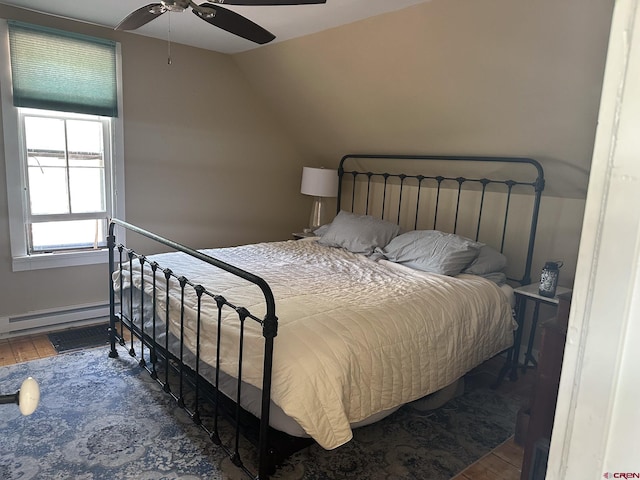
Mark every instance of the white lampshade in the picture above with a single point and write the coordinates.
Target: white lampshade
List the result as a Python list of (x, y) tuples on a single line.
[(319, 182)]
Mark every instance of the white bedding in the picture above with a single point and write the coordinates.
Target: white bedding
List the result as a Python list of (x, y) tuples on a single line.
[(355, 337)]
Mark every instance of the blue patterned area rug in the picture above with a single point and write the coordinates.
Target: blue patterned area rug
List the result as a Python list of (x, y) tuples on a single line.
[(102, 418)]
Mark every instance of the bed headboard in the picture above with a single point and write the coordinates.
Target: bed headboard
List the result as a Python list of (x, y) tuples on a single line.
[(493, 200)]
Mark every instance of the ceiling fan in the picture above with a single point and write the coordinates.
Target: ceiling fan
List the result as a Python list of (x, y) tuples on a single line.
[(212, 13)]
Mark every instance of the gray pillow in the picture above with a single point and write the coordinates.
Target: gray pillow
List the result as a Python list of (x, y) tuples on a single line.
[(488, 261), (358, 233), (432, 251), (320, 231)]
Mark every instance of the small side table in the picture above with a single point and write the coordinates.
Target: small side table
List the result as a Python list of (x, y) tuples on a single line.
[(524, 294), (300, 235)]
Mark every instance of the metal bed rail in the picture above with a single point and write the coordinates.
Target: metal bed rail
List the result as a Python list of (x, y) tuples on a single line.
[(161, 357)]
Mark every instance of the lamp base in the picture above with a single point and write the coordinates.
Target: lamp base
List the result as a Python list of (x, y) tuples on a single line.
[(317, 213)]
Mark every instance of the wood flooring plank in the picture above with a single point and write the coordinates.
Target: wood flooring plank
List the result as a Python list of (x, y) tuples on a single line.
[(492, 467), (460, 476), (23, 349), (6, 354), (510, 453), (43, 346)]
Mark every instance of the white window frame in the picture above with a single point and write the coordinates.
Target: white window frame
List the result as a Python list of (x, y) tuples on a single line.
[(16, 194)]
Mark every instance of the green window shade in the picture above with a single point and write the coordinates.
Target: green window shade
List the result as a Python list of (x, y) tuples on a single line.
[(62, 71)]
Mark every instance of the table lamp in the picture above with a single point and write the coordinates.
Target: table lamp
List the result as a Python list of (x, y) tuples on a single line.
[(320, 183)]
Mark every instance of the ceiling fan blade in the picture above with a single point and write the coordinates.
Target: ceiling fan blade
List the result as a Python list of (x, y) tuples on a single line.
[(273, 2), (235, 23), (141, 16)]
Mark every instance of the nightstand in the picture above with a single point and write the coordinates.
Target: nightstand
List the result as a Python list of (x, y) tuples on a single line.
[(523, 295), (299, 235), (542, 404)]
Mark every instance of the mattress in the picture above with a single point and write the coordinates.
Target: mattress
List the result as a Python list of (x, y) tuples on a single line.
[(356, 337)]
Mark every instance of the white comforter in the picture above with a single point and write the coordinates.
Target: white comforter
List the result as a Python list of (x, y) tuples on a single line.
[(355, 337)]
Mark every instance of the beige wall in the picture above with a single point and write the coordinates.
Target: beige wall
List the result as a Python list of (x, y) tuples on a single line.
[(206, 164), (229, 135), (493, 77), (201, 150)]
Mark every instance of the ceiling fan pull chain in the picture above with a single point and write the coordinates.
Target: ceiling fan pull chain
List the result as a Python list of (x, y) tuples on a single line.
[(169, 41)]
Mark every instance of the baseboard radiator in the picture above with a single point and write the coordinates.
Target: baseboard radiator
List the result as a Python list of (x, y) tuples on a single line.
[(54, 319)]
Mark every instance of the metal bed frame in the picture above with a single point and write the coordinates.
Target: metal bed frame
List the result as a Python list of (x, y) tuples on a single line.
[(533, 186), (186, 384), (169, 360)]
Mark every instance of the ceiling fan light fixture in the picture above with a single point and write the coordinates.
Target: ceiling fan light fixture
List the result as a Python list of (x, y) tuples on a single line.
[(205, 12), (175, 5)]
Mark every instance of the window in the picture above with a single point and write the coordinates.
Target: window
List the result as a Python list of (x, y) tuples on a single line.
[(63, 144), (67, 180)]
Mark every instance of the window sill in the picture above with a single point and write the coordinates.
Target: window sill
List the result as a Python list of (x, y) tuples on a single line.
[(56, 260)]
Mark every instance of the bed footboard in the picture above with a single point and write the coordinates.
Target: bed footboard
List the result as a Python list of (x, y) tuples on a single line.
[(177, 369)]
